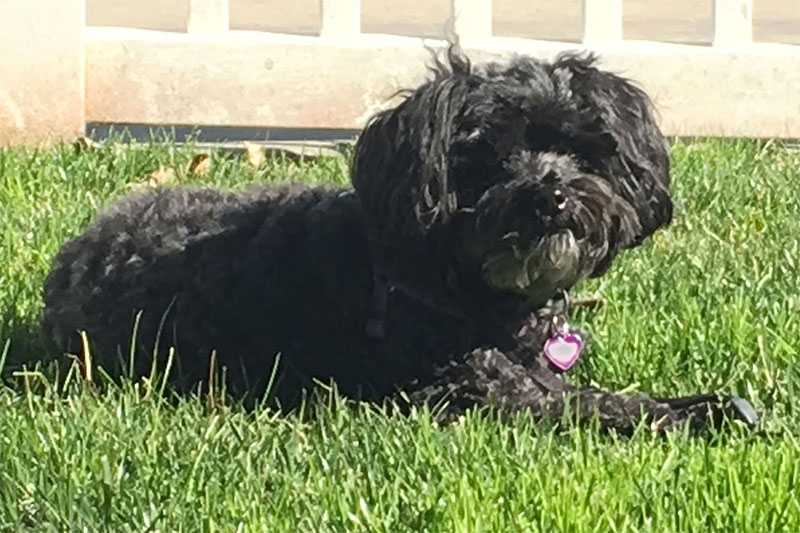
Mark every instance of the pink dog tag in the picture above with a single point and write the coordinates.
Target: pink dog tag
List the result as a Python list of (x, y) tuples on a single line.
[(563, 349)]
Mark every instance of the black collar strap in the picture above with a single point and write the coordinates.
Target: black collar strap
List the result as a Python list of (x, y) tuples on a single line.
[(381, 287)]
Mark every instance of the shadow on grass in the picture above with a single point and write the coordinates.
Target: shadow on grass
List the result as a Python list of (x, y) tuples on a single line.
[(21, 344)]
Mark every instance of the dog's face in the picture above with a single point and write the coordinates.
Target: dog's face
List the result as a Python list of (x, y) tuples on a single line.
[(536, 173), (545, 227)]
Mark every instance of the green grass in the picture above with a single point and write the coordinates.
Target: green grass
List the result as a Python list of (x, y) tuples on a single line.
[(713, 302)]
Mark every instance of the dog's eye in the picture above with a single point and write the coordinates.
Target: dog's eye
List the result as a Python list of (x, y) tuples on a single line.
[(559, 199)]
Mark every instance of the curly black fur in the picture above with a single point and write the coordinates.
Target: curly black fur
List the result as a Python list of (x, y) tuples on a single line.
[(479, 199)]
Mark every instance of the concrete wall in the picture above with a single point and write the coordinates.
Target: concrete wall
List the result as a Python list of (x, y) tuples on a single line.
[(41, 70), (306, 82)]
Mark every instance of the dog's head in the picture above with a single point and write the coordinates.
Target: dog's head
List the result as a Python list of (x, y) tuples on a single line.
[(536, 174)]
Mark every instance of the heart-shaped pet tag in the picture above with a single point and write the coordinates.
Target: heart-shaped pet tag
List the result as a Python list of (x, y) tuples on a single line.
[(563, 349)]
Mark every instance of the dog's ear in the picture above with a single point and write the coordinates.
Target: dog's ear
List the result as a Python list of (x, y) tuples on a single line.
[(639, 166), (400, 170), (377, 173), (401, 165)]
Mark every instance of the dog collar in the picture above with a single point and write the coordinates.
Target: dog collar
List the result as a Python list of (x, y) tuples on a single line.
[(381, 287), (376, 325)]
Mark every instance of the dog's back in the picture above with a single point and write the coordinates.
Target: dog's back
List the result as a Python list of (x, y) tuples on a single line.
[(242, 274)]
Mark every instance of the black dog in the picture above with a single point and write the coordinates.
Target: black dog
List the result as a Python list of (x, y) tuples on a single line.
[(479, 201)]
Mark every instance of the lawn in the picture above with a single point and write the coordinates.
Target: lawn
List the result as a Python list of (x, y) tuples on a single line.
[(711, 303)]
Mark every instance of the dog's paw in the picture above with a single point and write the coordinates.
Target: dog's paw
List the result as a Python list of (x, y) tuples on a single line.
[(742, 410), (714, 412)]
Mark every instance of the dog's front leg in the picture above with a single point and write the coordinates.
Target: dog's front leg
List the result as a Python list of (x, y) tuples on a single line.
[(538, 390), (489, 377)]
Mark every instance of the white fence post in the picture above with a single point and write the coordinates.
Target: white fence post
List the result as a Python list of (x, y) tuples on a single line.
[(340, 18), (208, 16), (602, 21), (472, 19), (733, 22)]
